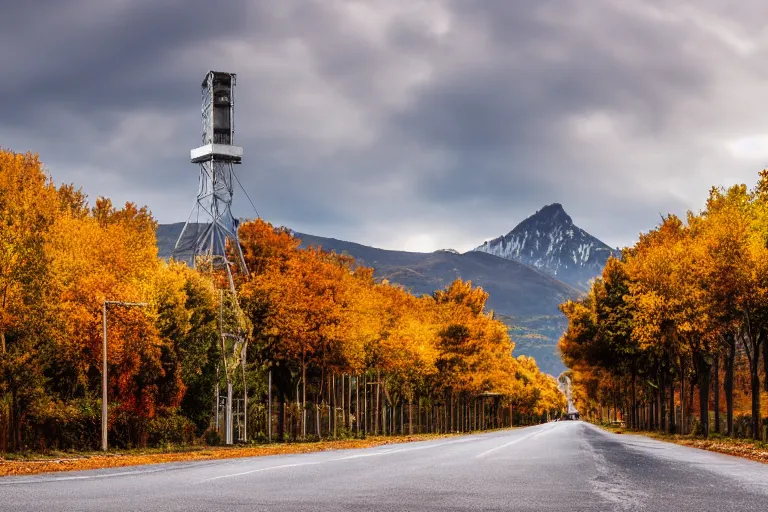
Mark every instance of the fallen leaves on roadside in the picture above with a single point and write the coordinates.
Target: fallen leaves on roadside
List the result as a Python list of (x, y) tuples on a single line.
[(117, 459), (737, 447)]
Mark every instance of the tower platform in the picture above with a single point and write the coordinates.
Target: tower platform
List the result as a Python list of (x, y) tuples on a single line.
[(224, 152)]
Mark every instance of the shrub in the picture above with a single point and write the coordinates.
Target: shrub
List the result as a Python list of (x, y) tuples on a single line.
[(211, 437), (742, 426), (697, 427), (58, 425), (171, 428)]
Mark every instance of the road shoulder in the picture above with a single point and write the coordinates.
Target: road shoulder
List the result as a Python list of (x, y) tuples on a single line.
[(744, 448), (96, 460)]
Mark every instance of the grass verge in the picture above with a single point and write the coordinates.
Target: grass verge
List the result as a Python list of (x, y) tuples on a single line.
[(746, 448), (30, 464)]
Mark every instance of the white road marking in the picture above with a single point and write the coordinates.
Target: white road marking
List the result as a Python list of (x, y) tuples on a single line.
[(510, 443), (349, 457), (82, 477), (261, 469), (399, 450)]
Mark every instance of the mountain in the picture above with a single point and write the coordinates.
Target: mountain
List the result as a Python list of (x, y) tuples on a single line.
[(525, 299), (515, 290), (167, 234), (551, 242)]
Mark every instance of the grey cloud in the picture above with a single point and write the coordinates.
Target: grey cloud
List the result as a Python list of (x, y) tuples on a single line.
[(373, 121)]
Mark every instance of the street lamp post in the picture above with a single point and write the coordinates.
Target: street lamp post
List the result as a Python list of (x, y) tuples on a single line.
[(104, 366)]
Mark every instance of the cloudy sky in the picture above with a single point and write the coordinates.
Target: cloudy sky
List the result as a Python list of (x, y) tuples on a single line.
[(403, 124)]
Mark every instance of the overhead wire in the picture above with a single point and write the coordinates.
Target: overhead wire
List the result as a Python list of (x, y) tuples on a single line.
[(246, 194)]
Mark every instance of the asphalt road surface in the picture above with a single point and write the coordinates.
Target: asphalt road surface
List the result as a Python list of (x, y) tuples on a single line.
[(557, 466)]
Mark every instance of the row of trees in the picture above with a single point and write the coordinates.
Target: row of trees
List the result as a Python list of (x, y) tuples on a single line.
[(317, 317), (683, 314), (318, 323)]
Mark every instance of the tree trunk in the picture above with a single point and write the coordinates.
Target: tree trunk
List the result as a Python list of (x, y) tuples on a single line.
[(15, 423), (332, 405), (717, 393), (378, 392), (296, 421), (765, 365), (464, 413), (410, 417), (365, 405), (755, 385), (691, 392), (752, 348), (702, 372), (348, 414), (429, 417), (446, 408), (449, 411), (343, 403), (662, 402), (634, 414), (671, 404), (683, 409), (418, 415), (303, 407), (328, 404), (281, 418), (728, 383)]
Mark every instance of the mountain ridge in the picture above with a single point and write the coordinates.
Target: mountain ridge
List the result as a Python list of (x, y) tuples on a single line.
[(444, 266)]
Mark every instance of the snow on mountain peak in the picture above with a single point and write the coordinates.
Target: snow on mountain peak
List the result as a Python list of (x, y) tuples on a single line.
[(549, 241)]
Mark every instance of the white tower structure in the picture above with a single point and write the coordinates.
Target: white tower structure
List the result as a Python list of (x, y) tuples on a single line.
[(209, 237), (212, 225)]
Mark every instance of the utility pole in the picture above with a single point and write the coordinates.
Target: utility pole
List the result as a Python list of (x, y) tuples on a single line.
[(245, 395), (228, 416), (104, 366), (269, 407)]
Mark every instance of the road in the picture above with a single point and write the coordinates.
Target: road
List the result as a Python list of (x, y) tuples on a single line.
[(556, 466)]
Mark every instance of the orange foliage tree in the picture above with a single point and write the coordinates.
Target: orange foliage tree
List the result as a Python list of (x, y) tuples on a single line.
[(61, 259), (321, 319), (318, 322), (694, 291)]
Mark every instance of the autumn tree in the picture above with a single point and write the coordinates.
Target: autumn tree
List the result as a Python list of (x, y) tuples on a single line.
[(27, 211), (688, 293)]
